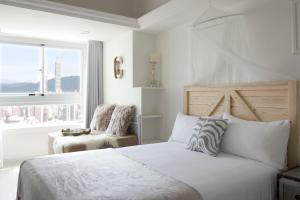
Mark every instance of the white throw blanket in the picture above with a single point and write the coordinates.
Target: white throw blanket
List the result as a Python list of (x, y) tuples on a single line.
[(97, 175), (91, 142)]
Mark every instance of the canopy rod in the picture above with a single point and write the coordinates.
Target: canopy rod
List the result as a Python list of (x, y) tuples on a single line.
[(211, 7), (216, 18)]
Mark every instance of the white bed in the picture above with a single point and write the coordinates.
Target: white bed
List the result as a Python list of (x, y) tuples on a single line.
[(163, 171), (225, 177), (168, 171)]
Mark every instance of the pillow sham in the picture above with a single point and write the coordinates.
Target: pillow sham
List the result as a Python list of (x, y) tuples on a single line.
[(183, 128), (207, 136), (120, 120), (101, 117), (262, 141)]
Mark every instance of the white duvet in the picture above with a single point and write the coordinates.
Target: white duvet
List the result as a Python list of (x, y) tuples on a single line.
[(145, 172), (226, 177), (97, 175)]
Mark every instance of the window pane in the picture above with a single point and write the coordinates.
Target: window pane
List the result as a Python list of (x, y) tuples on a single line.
[(38, 114), (62, 69), (19, 68)]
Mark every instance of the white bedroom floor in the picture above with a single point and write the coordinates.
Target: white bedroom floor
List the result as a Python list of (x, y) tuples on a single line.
[(8, 181)]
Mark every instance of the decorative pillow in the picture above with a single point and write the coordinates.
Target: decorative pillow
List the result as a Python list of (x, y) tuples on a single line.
[(102, 117), (183, 127), (207, 136), (120, 120), (262, 141)]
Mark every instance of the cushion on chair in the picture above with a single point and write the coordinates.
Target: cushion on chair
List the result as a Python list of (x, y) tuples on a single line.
[(102, 117), (120, 120), (96, 140)]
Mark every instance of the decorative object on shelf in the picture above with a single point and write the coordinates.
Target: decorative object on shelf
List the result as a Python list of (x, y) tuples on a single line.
[(295, 6), (153, 60), (118, 72)]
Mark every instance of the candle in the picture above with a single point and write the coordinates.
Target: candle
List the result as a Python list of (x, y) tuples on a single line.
[(153, 58)]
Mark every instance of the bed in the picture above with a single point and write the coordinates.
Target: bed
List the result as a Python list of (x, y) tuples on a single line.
[(168, 170)]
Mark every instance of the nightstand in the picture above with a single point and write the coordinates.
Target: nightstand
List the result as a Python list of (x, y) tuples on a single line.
[(289, 185)]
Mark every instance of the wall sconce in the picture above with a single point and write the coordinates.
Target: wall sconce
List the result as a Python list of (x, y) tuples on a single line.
[(118, 72), (153, 60)]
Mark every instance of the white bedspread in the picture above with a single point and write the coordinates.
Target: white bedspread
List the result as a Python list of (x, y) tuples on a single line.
[(97, 175), (225, 177)]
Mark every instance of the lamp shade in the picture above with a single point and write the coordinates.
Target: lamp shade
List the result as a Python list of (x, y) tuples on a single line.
[(153, 58)]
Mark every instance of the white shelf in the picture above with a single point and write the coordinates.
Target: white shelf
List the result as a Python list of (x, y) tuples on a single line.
[(151, 88), (151, 116)]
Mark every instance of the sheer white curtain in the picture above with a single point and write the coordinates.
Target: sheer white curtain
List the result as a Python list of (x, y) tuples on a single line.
[(94, 79), (219, 54)]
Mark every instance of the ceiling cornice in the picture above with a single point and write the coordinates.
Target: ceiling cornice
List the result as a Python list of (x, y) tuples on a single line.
[(74, 11)]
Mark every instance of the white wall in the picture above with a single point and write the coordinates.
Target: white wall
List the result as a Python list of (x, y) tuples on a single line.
[(120, 91), (269, 29), (1, 149), (173, 46), (25, 143)]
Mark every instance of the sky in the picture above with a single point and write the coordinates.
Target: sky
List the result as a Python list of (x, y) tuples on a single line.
[(22, 63)]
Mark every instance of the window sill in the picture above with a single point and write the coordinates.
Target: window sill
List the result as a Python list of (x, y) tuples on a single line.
[(45, 125)]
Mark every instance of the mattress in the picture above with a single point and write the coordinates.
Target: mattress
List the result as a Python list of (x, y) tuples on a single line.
[(225, 177)]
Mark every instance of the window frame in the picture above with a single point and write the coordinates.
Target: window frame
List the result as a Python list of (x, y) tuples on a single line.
[(19, 99)]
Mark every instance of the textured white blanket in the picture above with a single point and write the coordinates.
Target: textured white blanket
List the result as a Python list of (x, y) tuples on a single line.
[(100, 174), (91, 142)]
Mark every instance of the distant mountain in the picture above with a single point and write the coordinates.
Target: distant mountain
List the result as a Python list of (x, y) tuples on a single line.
[(68, 84), (19, 87)]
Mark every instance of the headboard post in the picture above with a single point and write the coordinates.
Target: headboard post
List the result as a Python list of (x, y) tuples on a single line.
[(185, 102), (263, 101), (293, 117)]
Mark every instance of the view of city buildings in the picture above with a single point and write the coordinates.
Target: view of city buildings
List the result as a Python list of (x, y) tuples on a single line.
[(57, 77), (36, 114)]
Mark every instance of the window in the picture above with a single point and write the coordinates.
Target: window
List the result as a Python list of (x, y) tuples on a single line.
[(40, 83), (19, 65), (39, 69)]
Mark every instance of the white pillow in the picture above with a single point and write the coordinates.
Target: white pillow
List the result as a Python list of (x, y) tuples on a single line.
[(183, 128), (262, 141)]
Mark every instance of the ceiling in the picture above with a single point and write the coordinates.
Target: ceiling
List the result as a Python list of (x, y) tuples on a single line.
[(38, 24), (31, 23), (128, 8)]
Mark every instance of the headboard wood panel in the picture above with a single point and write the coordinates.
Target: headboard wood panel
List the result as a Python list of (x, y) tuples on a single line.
[(265, 101)]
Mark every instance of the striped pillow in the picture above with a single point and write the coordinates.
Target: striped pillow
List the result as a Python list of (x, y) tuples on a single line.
[(207, 136)]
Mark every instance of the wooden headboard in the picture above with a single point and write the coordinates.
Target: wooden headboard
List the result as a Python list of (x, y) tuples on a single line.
[(266, 101)]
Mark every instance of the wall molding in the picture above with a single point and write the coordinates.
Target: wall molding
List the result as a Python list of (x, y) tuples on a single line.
[(74, 11), (295, 14)]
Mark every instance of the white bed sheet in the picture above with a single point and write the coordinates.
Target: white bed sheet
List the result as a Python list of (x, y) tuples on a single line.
[(225, 177)]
